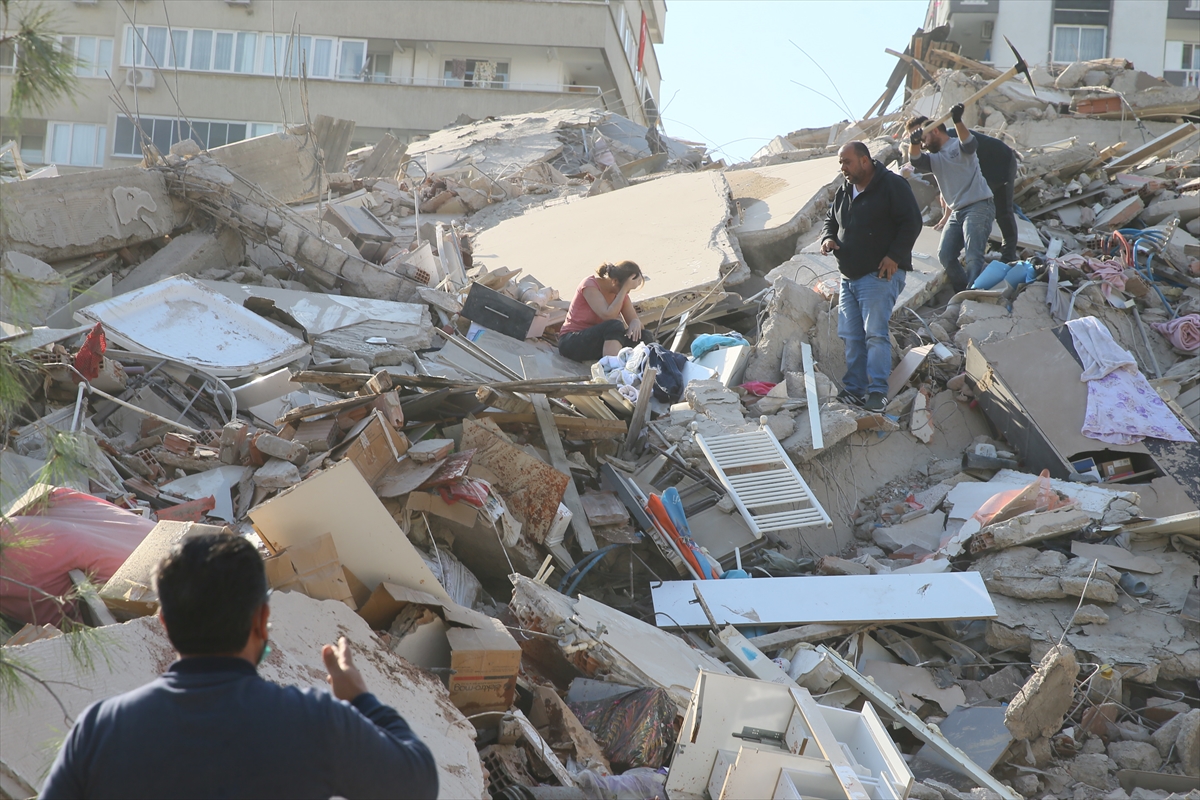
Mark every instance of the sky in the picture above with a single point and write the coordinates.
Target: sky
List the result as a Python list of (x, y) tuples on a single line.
[(728, 66)]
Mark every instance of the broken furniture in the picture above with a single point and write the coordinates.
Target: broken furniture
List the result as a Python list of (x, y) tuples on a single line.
[(743, 739)]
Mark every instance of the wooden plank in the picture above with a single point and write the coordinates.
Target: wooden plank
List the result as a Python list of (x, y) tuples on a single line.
[(828, 599), (641, 412), (805, 633), (1152, 148), (962, 61), (810, 391), (558, 459), (580, 428)]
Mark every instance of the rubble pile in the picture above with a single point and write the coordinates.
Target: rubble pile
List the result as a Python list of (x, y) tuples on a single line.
[(687, 570)]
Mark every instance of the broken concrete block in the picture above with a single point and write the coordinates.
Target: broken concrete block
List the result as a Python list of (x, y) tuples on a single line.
[(1186, 207), (832, 565), (1090, 768), (1164, 738), (1028, 528), (29, 289), (272, 445), (188, 254), (791, 315), (925, 532), (1004, 684), (233, 442), (1135, 755), (1089, 614), (778, 204), (837, 422), (715, 401), (1041, 705), (130, 591), (428, 450), (1187, 743), (1116, 215), (86, 213), (276, 474)]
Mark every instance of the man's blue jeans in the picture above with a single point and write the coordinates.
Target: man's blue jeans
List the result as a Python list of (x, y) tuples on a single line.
[(864, 309), (971, 226)]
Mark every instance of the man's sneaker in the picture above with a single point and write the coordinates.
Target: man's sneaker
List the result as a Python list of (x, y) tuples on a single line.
[(849, 398), (876, 402)]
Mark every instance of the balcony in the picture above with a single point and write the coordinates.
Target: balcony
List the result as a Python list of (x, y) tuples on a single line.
[(467, 83)]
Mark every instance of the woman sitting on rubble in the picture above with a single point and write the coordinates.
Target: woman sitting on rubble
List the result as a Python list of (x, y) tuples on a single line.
[(601, 319)]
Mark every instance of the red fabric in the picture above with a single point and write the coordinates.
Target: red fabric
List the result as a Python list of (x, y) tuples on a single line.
[(70, 531), (757, 388), (580, 315), (90, 356)]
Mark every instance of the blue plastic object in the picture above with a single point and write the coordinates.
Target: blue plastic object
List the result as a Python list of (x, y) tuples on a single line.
[(1019, 273), (992, 274), (735, 574), (674, 505)]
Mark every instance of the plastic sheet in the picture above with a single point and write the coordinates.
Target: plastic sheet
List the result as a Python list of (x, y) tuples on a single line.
[(70, 531), (1037, 496), (635, 729)]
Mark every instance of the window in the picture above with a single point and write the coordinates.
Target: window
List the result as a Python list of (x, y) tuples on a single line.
[(1192, 5), (478, 72), (93, 54), (263, 128), (244, 52), (379, 67), (1078, 43), (78, 144), (33, 149), (164, 132), (8, 57), (352, 55), (1191, 55)]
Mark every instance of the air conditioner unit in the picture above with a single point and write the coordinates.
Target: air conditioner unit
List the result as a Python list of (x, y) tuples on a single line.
[(989, 27), (86, 2), (237, 2), (139, 78)]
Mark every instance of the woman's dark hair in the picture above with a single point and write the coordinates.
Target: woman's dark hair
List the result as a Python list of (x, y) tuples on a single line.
[(619, 272), (209, 587)]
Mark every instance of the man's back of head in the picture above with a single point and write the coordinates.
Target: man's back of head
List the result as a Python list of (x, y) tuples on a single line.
[(209, 588)]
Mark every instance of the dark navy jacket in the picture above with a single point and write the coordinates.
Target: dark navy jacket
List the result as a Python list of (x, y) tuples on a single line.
[(211, 727), (884, 220)]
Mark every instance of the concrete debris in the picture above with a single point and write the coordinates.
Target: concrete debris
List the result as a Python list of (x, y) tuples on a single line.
[(351, 359)]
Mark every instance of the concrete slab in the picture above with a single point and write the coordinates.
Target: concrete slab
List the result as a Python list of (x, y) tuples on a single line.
[(137, 652), (779, 203), (676, 228), (498, 144), (187, 254), (89, 212)]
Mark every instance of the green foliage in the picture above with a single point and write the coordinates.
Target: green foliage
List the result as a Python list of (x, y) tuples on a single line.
[(44, 73)]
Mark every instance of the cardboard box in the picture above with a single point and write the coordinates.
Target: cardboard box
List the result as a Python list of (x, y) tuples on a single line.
[(484, 656), (377, 448), (462, 513), (485, 661), (311, 568), (1116, 468)]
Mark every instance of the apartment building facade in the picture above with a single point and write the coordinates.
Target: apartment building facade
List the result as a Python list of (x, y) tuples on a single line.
[(1161, 37), (224, 70)]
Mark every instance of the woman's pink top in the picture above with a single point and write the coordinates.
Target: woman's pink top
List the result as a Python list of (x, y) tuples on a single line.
[(580, 315)]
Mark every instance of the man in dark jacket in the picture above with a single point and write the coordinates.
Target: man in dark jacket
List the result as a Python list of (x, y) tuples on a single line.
[(998, 163), (870, 228), (211, 727)]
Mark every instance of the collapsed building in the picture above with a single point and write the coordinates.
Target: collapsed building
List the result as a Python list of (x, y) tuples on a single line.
[(710, 565)]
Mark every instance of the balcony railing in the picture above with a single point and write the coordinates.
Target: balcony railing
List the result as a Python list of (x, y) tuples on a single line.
[(1191, 77), (467, 83)]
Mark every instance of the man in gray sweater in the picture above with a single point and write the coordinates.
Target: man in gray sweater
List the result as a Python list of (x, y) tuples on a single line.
[(972, 209)]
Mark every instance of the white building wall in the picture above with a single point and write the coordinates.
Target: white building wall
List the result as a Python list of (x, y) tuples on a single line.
[(1137, 33), (1028, 24)]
